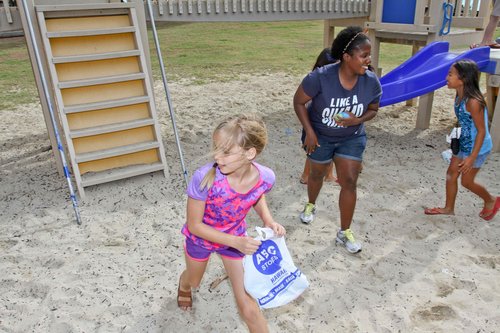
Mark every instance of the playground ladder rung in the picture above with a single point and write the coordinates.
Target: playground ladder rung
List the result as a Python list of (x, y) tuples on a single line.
[(116, 151), (69, 7), (94, 178), (103, 129), (101, 80), (93, 57), (93, 32), (106, 104)]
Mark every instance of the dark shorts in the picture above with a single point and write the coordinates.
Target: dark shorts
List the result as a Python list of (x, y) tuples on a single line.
[(199, 253), (351, 148)]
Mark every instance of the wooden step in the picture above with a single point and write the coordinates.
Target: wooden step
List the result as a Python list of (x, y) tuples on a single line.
[(69, 7), (92, 32), (93, 178), (98, 56), (111, 128), (103, 129), (117, 151), (105, 104), (101, 80)]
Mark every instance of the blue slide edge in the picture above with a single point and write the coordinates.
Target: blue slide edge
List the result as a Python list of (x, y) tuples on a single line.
[(426, 71)]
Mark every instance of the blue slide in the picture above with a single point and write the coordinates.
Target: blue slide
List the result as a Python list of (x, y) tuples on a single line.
[(426, 71)]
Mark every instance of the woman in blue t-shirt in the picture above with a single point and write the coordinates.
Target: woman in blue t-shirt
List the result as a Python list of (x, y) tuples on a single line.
[(343, 96)]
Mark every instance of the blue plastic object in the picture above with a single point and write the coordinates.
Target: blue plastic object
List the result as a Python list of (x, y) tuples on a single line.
[(447, 19), (399, 11), (341, 115), (426, 71)]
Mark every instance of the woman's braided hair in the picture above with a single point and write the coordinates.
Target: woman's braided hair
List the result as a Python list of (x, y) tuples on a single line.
[(347, 40)]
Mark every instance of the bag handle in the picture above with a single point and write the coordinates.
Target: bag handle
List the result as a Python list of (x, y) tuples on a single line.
[(264, 233)]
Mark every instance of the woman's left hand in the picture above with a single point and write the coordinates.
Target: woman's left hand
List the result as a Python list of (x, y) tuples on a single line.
[(466, 165), (278, 229)]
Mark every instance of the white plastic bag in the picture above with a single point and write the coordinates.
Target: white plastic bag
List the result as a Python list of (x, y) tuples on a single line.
[(270, 275), (446, 154), (455, 133)]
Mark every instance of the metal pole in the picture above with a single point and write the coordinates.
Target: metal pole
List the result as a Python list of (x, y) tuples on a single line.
[(164, 77), (51, 112)]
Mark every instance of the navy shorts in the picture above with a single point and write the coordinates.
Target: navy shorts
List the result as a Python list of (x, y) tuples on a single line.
[(199, 253), (351, 148)]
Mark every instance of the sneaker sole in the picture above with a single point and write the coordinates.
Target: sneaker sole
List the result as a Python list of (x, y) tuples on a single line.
[(306, 222), (339, 241)]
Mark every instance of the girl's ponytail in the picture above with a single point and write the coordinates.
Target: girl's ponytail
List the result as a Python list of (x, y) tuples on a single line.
[(209, 178)]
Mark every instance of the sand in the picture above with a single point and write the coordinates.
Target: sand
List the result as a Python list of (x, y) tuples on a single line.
[(118, 271)]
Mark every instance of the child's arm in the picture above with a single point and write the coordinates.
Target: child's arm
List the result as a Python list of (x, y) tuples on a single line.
[(195, 212), (263, 210), (300, 100), (477, 113)]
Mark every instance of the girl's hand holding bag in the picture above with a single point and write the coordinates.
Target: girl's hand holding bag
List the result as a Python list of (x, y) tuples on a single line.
[(270, 274)]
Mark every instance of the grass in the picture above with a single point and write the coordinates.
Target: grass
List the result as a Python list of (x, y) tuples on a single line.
[(17, 83), (204, 52), (215, 51)]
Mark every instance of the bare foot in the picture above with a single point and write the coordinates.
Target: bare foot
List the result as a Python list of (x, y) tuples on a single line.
[(438, 211)]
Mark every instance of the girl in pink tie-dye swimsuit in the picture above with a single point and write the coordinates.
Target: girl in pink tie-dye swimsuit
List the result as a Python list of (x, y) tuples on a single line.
[(220, 196)]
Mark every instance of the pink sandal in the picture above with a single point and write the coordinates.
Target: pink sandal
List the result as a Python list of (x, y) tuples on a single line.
[(488, 215)]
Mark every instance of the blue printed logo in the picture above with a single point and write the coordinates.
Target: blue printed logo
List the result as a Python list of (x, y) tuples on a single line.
[(268, 258)]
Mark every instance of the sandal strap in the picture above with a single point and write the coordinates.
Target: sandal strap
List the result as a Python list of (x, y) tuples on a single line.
[(182, 293)]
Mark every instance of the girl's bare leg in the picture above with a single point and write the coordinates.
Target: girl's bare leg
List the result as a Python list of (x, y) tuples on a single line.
[(468, 181), (247, 306), (191, 277), (452, 175)]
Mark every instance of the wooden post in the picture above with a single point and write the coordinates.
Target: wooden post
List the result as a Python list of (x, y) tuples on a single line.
[(7, 11), (328, 33), (495, 128), (424, 111), (492, 84), (375, 16)]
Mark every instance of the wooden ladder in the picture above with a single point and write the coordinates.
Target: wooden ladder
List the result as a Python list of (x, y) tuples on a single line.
[(103, 90)]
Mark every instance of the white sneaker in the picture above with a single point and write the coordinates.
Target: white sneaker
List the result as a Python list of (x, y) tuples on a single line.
[(346, 238), (307, 215)]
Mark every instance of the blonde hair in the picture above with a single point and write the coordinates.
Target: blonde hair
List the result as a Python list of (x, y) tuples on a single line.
[(245, 131)]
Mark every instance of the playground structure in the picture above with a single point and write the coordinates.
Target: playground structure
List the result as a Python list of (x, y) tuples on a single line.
[(96, 57), (421, 22), (96, 60)]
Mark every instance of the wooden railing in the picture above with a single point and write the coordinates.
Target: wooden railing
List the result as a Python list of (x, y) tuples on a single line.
[(217, 10), (259, 10), (429, 15), (470, 13)]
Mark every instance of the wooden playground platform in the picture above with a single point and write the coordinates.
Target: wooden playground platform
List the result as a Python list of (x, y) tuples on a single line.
[(96, 57)]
